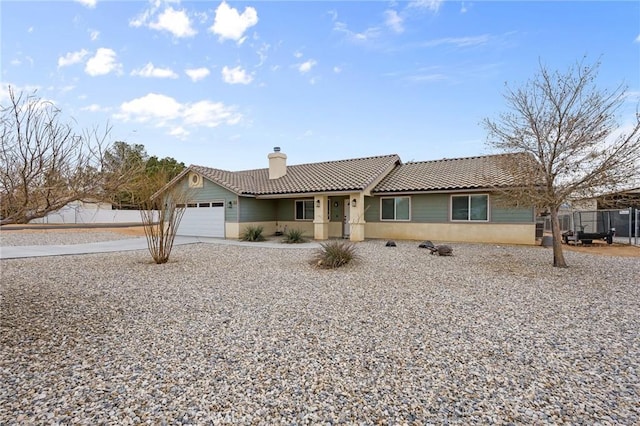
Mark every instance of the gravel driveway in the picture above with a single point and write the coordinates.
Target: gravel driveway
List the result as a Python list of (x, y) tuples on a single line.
[(242, 335)]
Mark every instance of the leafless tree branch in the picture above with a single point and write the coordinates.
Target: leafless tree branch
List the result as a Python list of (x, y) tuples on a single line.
[(569, 127)]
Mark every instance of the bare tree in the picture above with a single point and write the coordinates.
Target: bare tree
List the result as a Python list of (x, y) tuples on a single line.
[(570, 128), (163, 208), (44, 163)]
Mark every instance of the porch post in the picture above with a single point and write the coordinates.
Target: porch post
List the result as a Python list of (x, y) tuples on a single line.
[(320, 218), (356, 216)]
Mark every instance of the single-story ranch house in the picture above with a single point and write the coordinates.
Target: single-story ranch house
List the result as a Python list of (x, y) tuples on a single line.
[(451, 200)]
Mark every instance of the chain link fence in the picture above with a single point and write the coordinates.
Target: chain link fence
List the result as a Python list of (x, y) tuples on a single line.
[(623, 223)]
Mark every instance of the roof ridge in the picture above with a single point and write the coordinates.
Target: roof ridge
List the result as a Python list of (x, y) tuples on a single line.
[(474, 157), (211, 168), (325, 162)]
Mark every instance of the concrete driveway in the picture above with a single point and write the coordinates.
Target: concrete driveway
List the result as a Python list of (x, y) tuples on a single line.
[(128, 244)]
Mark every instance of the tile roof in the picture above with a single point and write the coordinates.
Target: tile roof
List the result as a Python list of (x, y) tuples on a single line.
[(332, 176), (449, 174)]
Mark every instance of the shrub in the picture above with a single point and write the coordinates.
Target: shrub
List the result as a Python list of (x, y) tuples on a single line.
[(252, 233), (335, 254), (293, 236)]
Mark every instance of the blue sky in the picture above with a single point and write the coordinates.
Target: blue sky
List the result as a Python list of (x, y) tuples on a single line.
[(220, 84)]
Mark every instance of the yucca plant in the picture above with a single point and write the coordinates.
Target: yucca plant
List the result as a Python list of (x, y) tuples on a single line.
[(335, 254), (252, 233), (294, 236)]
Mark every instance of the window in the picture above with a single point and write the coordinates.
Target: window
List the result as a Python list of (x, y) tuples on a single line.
[(304, 209), (470, 207), (395, 208)]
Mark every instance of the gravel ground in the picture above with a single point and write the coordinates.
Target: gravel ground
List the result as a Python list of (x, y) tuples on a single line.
[(46, 238), (242, 335)]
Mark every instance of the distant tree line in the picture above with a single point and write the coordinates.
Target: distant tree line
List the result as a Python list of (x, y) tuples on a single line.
[(123, 157)]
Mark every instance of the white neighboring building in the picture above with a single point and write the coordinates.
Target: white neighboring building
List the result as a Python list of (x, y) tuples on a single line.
[(90, 212)]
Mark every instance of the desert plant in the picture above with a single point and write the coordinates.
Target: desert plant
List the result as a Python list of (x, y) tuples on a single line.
[(335, 254), (252, 233), (294, 236), (162, 211)]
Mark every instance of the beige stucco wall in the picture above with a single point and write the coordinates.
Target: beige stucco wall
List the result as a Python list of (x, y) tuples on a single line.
[(335, 229), (436, 232), (454, 232), (233, 230)]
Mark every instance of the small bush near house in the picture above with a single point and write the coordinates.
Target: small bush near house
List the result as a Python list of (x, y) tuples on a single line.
[(252, 233), (294, 236), (335, 254)]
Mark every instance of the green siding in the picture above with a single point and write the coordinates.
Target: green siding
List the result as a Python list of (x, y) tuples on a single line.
[(372, 209), (210, 191), (425, 208), (434, 208), (501, 214), (430, 208), (252, 210), (286, 210)]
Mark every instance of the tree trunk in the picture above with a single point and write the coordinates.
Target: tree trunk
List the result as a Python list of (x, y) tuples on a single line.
[(556, 232)]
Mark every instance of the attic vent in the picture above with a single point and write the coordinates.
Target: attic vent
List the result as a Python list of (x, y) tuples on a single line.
[(195, 180)]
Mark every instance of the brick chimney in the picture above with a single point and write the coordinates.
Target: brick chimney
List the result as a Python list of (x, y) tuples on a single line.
[(277, 164)]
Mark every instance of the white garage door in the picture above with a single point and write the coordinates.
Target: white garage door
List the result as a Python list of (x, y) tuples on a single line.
[(203, 219)]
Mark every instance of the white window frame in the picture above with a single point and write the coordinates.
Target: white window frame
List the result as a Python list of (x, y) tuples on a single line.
[(295, 210), (395, 214), (468, 219)]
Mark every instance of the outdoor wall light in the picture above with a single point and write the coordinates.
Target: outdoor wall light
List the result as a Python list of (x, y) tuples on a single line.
[(318, 203), (230, 204), (353, 202)]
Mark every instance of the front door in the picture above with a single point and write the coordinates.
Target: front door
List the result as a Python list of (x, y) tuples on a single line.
[(346, 229)]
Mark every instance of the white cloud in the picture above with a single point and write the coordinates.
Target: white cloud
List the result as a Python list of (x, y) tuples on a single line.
[(421, 78), (66, 89), (236, 75), (306, 66), (150, 70), (458, 41), (393, 21), (165, 111), (209, 114), (102, 63), (432, 5), (357, 37), (297, 54), (143, 18), (337, 69), (150, 107), (229, 24), (179, 132), (638, 39), (175, 21), (88, 3), (262, 53), (72, 58), (196, 74), (93, 108), (94, 35)]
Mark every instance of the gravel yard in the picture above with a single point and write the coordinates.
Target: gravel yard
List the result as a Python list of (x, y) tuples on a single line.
[(242, 335)]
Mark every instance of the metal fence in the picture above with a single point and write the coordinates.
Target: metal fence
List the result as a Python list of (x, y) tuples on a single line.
[(625, 222)]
